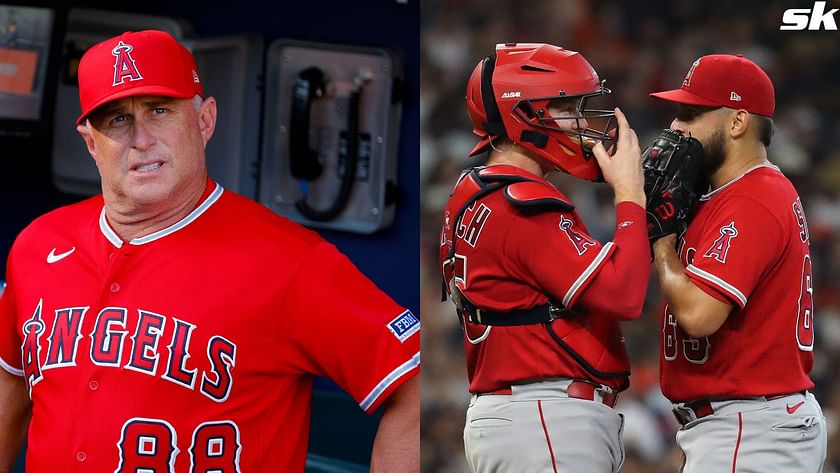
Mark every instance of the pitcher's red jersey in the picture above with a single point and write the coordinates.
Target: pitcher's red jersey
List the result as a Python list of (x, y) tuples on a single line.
[(748, 246), (194, 346)]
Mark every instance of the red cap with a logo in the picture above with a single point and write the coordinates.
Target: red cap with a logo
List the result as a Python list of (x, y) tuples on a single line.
[(725, 80), (142, 63)]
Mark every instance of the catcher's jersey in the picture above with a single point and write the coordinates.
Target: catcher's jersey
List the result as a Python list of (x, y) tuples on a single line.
[(194, 346), (748, 246), (506, 258)]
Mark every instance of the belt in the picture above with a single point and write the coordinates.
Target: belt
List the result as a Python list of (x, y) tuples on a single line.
[(693, 410), (577, 389)]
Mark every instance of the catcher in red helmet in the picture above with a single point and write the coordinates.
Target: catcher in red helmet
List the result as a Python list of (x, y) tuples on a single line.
[(534, 80), (538, 298)]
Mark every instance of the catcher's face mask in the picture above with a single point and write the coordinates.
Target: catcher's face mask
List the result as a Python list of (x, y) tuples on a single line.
[(572, 116), (512, 93)]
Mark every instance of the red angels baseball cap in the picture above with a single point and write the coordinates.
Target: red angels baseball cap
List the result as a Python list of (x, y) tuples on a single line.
[(725, 80), (136, 63)]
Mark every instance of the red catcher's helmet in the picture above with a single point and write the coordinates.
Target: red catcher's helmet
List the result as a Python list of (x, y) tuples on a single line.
[(508, 95)]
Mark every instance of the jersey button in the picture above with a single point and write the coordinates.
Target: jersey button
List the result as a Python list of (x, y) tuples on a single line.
[(115, 287), (93, 385), (81, 456)]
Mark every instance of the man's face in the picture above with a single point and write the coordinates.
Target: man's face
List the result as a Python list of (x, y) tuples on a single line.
[(150, 149), (569, 119), (705, 124), (565, 113)]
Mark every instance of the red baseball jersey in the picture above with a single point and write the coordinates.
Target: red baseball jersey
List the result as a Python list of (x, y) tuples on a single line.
[(192, 348), (505, 259), (748, 246)]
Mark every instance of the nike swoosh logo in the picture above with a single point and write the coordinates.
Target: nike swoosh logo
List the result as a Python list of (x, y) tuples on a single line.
[(52, 257), (625, 223), (793, 408)]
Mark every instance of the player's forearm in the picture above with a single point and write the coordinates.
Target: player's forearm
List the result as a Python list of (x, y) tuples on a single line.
[(397, 443), (618, 289), (687, 302), (12, 435), (15, 410)]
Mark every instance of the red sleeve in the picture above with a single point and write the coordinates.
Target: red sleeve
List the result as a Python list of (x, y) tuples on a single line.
[(618, 289), (735, 249), (346, 329), (554, 252)]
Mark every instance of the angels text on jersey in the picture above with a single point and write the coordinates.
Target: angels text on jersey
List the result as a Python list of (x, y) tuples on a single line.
[(140, 353)]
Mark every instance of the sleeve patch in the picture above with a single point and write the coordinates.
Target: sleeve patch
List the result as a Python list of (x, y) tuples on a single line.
[(720, 248), (404, 326)]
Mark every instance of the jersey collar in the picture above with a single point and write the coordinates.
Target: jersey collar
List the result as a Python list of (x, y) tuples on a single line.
[(115, 240), (757, 166)]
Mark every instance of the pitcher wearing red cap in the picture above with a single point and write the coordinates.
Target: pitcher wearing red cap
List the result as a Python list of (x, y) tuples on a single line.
[(738, 331), (169, 325)]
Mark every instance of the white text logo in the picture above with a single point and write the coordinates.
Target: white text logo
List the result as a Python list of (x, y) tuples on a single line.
[(812, 19)]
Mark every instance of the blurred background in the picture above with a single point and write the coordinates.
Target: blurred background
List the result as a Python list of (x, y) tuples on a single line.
[(638, 47)]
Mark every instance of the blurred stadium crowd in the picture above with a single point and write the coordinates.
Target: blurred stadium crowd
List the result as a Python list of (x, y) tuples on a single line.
[(638, 47)]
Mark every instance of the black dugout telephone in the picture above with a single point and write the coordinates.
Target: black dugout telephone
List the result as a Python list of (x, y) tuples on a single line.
[(331, 128)]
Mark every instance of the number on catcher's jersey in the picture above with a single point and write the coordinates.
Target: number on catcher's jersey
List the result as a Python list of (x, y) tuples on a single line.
[(151, 445), (455, 269)]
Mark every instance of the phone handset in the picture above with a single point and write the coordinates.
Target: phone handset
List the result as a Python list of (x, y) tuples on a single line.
[(310, 84)]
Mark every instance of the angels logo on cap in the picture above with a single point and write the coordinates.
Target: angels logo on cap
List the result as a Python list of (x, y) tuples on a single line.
[(148, 62), (687, 80), (124, 66)]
